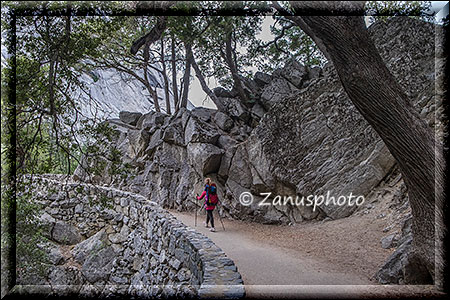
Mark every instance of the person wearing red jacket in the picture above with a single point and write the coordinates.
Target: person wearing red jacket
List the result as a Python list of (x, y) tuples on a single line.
[(211, 199)]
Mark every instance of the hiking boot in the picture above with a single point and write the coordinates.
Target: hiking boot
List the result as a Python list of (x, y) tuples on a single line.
[(212, 229)]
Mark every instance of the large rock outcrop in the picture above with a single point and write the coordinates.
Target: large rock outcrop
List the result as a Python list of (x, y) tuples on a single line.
[(300, 135)]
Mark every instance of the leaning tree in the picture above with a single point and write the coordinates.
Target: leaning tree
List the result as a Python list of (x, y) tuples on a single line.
[(339, 30)]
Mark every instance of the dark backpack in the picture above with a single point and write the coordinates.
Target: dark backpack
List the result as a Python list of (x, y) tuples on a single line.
[(213, 190)]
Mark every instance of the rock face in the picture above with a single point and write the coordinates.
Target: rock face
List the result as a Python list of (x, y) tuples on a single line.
[(129, 117), (316, 140), (205, 157), (115, 91), (299, 135), (65, 234), (98, 265), (94, 243), (402, 267)]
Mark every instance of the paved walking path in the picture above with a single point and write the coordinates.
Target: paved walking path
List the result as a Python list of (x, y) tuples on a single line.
[(274, 272)]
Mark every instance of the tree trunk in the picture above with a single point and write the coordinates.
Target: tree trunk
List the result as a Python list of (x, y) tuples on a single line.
[(166, 80), (174, 76), (187, 75), (180, 94), (51, 84), (382, 102), (147, 83), (154, 96), (202, 80), (234, 71)]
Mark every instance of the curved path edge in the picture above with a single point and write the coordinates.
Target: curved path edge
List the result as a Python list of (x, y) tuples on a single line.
[(217, 275)]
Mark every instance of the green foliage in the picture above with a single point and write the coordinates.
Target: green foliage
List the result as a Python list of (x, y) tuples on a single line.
[(117, 167), (105, 201), (50, 138), (30, 256), (115, 46), (289, 42), (79, 189), (383, 10), (207, 35), (55, 49), (49, 55)]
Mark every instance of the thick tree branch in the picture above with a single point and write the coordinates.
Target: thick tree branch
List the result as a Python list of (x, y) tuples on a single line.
[(151, 37), (159, 28)]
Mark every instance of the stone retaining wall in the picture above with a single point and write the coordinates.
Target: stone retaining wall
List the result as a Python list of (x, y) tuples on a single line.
[(120, 243)]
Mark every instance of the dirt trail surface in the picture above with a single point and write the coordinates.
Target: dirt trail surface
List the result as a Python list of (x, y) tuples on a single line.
[(320, 259)]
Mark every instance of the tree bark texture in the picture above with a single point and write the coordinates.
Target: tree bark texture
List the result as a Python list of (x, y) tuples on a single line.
[(166, 80), (383, 103), (174, 76), (233, 68), (147, 82), (187, 75)]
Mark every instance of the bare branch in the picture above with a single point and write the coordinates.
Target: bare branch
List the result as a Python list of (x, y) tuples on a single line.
[(274, 41), (303, 26)]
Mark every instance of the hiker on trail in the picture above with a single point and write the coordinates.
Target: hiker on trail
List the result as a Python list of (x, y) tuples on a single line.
[(211, 199)]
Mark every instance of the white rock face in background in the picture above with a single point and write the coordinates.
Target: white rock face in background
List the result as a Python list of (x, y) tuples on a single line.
[(112, 91)]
